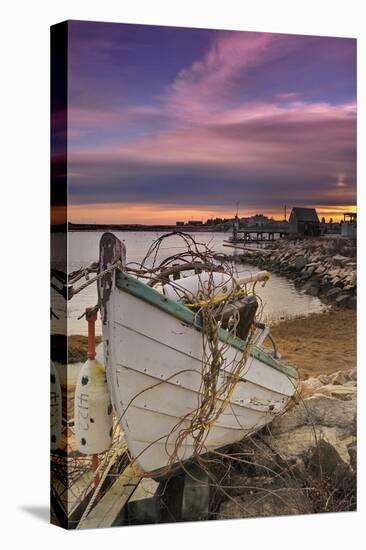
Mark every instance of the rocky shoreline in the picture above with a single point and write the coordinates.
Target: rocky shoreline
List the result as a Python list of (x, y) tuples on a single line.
[(322, 267), (304, 461)]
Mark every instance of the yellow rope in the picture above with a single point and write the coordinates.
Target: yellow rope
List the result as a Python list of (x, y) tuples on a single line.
[(239, 294)]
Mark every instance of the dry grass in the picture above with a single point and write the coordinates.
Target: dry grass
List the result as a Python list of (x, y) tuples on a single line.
[(76, 345), (319, 343)]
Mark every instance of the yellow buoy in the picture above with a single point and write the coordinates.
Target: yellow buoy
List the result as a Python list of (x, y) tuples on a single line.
[(93, 408)]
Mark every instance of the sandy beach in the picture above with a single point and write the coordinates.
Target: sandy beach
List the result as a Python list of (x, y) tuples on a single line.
[(320, 343)]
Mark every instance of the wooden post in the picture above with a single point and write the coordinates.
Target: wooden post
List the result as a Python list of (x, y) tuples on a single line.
[(95, 464), (91, 317)]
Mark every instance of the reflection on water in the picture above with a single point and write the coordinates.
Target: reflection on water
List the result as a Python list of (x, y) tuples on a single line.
[(279, 297)]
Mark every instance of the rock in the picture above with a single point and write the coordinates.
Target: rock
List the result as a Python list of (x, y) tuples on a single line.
[(340, 260), (352, 451), (328, 411), (325, 461), (305, 276), (349, 287), (324, 379), (259, 460), (309, 387), (300, 262), (325, 286), (333, 293), (340, 392), (353, 374), (318, 410), (300, 441), (343, 300), (339, 377), (336, 282), (314, 290)]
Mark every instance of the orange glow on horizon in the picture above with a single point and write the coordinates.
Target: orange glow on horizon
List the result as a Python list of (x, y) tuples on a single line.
[(335, 212), (151, 213)]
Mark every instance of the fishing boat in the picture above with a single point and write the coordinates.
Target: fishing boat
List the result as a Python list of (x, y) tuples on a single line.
[(154, 357)]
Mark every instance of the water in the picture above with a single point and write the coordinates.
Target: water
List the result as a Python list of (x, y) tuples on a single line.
[(280, 298)]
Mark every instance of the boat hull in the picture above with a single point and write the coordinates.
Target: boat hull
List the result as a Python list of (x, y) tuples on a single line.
[(153, 357)]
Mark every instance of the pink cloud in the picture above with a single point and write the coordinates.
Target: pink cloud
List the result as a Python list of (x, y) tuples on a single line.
[(91, 117), (200, 90), (292, 111), (267, 140)]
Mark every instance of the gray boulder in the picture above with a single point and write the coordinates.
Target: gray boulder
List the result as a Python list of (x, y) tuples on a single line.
[(333, 293), (300, 262), (345, 393), (317, 410), (340, 260), (298, 443)]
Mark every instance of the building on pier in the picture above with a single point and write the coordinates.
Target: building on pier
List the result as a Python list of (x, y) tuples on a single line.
[(349, 225), (304, 221)]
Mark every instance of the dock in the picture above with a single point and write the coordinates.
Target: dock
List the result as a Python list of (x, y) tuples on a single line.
[(260, 234), (246, 248)]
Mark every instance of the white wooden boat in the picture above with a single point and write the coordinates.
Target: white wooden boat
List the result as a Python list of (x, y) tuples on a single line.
[(153, 356)]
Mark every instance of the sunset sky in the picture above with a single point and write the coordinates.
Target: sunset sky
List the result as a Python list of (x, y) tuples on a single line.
[(169, 124)]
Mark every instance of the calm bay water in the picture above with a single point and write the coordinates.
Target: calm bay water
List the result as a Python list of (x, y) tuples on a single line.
[(279, 296)]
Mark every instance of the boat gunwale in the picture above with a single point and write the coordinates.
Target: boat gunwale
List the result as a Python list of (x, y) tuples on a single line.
[(133, 286)]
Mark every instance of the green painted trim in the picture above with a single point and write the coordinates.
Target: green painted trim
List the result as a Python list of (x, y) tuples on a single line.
[(140, 290)]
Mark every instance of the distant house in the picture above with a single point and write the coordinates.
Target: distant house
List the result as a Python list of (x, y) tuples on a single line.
[(331, 228), (179, 223), (304, 221), (195, 222), (349, 225), (258, 220)]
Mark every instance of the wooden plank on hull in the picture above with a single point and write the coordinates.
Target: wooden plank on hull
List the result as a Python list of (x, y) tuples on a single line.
[(111, 504)]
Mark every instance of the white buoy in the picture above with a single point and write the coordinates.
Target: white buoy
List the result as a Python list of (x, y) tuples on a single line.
[(56, 408), (93, 408)]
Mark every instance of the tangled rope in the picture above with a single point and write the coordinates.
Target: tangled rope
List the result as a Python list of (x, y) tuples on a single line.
[(220, 374)]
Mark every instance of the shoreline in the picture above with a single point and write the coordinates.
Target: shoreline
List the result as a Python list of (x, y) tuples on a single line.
[(324, 268), (160, 228)]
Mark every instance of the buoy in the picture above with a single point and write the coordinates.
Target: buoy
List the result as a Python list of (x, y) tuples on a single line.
[(56, 408), (93, 408)]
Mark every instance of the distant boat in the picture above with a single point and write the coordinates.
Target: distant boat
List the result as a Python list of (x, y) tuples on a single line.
[(153, 356)]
